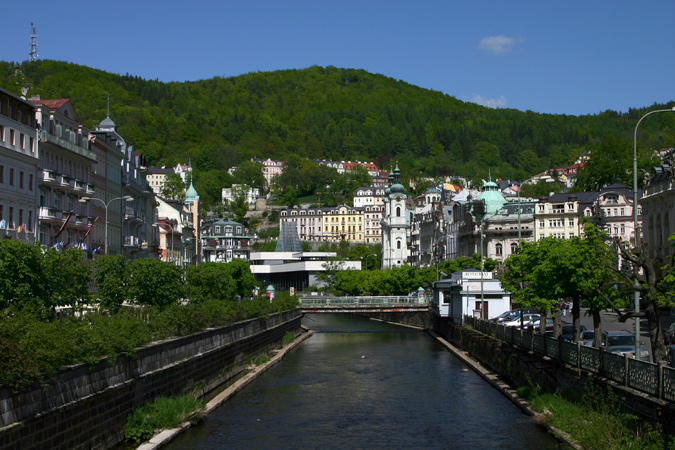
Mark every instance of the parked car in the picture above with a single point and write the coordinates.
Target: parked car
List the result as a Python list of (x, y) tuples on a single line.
[(535, 324), (527, 318), (512, 315), (568, 331), (623, 343), (588, 337), (669, 334)]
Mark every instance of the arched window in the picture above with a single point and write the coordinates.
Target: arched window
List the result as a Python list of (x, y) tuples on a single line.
[(398, 211), (398, 245), (498, 249), (514, 246)]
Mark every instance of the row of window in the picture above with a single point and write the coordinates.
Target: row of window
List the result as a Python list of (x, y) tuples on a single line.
[(21, 181), (24, 141), (12, 222)]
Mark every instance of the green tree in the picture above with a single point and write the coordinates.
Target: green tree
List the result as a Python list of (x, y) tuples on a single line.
[(240, 272), (67, 276), (209, 281), (154, 283), (251, 173), (22, 280), (174, 188), (111, 274)]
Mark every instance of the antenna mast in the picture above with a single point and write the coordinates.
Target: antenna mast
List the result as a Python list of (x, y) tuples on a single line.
[(33, 44)]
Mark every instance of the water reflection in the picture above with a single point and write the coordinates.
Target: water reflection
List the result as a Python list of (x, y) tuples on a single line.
[(360, 384)]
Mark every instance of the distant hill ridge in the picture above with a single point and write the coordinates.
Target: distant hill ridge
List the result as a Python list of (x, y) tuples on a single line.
[(320, 112)]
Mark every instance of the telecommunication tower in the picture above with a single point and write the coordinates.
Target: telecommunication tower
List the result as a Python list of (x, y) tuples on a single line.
[(33, 44)]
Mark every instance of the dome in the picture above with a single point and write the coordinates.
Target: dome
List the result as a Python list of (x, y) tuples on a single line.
[(494, 200), (191, 194), (107, 124)]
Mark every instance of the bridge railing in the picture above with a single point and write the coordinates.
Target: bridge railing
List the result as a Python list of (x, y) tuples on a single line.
[(315, 300), (654, 379)]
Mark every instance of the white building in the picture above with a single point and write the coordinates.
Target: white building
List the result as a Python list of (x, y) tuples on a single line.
[(470, 292), (658, 205), (395, 224)]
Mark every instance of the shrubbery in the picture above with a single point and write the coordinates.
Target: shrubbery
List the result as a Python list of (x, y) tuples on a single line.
[(38, 336)]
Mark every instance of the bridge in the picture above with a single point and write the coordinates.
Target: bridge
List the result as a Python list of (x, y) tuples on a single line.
[(375, 304)]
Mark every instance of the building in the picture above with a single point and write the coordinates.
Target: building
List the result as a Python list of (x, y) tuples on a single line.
[(341, 223), (251, 194), (395, 223), (137, 203), (19, 161), (156, 178), (658, 208), (271, 168), (64, 175), (223, 240), (469, 292), (297, 270)]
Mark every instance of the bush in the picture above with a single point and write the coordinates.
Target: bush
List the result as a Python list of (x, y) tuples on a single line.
[(162, 413)]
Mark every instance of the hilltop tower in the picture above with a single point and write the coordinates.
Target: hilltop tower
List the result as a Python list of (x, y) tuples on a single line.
[(33, 44)]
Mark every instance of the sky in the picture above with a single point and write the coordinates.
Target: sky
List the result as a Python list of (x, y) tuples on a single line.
[(548, 56)]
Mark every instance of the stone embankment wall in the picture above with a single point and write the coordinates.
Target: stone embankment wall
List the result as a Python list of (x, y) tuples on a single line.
[(419, 319), (519, 367), (86, 408)]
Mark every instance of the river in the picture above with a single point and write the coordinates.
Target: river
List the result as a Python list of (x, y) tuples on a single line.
[(361, 384)]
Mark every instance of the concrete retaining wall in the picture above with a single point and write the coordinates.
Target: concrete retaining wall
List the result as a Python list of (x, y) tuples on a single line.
[(517, 367), (87, 409)]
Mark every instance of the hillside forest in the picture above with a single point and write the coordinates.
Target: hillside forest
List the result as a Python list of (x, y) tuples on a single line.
[(338, 114)]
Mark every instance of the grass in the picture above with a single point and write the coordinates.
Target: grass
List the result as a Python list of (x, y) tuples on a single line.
[(596, 421), (160, 414), (288, 338)]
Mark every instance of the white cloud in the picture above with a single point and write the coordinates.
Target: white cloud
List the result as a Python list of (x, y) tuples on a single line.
[(496, 103), (498, 45)]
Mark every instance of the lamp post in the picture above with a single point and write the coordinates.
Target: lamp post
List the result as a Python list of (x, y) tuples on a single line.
[(371, 254), (157, 224), (635, 223), (105, 206)]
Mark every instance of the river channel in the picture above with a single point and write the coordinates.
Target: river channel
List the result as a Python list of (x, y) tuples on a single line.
[(361, 384)]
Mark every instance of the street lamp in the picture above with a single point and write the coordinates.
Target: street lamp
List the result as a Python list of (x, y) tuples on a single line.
[(105, 205), (635, 223), (372, 254), (156, 224)]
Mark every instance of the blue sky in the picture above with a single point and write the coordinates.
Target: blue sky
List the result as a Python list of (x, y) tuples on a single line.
[(558, 57)]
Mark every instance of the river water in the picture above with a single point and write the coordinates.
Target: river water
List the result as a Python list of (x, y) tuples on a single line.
[(360, 384)]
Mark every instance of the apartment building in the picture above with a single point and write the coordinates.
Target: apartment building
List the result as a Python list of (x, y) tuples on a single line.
[(19, 161)]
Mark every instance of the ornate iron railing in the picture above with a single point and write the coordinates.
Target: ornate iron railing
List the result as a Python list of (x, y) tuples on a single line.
[(643, 376)]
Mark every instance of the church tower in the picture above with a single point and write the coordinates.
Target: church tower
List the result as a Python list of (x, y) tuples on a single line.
[(395, 223)]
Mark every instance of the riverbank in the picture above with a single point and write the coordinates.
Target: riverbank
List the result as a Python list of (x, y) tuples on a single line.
[(166, 436), (493, 379)]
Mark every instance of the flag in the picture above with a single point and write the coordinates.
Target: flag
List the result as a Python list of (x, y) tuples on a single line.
[(90, 227), (2, 224), (19, 230), (63, 227)]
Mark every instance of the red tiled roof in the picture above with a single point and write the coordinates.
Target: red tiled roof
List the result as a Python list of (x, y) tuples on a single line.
[(53, 104)]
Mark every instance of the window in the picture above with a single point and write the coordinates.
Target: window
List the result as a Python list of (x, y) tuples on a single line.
[(498, 249), (30, 220), (10, 223), (22, 141), (398, 245), (21, 180), (12, 138), (398, 211), (11, 176), (514, 246), (2, 174), (30, 182)]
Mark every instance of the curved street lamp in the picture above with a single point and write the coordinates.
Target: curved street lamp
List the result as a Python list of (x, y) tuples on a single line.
[(371, 254), (635, 224), (127, 198)]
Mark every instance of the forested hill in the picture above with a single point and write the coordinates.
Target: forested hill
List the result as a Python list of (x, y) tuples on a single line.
[(327, 113)]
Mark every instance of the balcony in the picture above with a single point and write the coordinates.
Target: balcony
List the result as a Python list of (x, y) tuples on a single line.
[(47, 176), (131, 241), (76, 185), (89, 188), (47, 213), (46, 136)]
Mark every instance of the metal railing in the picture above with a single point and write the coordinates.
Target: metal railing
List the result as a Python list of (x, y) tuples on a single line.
[(362, 301), (654, 379)]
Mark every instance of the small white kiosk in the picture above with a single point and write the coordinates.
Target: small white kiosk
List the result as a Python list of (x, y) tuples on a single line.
[(470, 292)]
